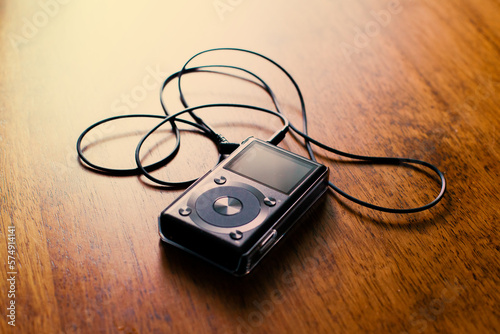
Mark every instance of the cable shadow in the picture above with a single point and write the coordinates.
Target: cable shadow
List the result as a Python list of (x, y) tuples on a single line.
[(129, 134), (407, 221), (402, 220)]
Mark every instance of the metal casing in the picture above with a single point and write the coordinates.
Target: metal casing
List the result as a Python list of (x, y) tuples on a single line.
[(189, 223)]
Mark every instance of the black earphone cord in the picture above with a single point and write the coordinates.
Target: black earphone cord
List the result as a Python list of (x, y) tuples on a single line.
[(225, 147)]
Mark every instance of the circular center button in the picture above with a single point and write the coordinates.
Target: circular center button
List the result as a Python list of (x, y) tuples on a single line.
[(227, 206)]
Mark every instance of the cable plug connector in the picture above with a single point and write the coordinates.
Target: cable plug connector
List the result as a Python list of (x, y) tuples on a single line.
[(224, 146)]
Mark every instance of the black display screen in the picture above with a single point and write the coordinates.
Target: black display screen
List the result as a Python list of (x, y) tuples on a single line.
[(271, 167)]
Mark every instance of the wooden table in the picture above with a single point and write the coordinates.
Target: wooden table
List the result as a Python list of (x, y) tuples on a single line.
[(405, 78)]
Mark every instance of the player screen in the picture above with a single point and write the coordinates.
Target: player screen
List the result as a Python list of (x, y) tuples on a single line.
[(271, 167)]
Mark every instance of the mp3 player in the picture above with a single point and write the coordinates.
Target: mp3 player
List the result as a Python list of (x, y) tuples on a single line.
[(233, 215)]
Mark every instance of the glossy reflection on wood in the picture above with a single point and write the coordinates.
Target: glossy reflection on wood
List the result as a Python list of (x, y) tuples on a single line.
[(402, 78)]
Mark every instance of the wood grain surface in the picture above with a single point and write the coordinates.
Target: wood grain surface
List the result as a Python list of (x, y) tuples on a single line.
[(410, 78)]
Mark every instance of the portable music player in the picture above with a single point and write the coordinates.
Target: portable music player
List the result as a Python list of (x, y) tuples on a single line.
[(235, 213)]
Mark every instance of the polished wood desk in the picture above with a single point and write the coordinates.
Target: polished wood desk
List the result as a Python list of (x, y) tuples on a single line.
[(403, 78)]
